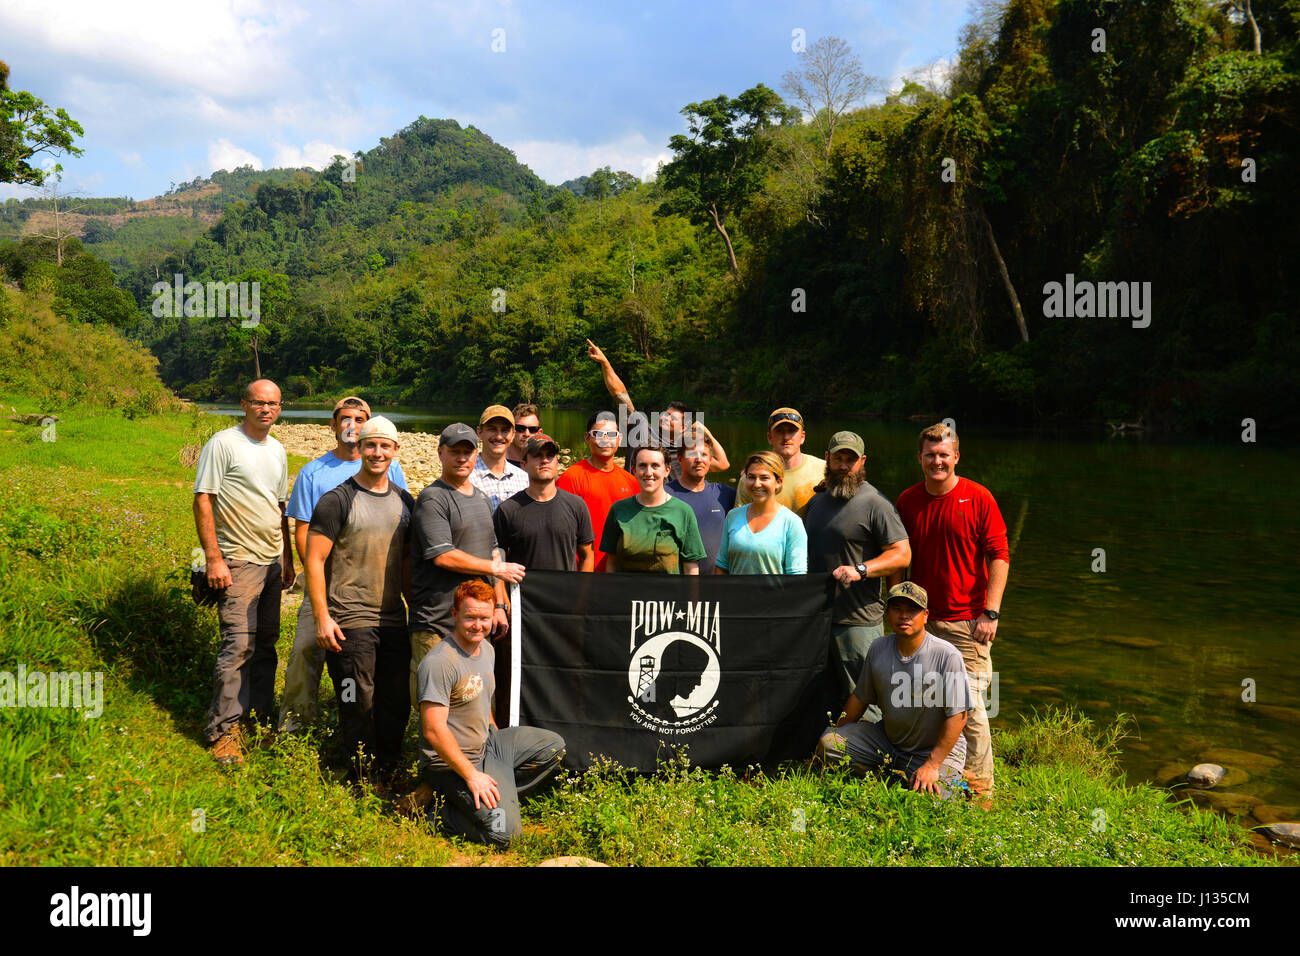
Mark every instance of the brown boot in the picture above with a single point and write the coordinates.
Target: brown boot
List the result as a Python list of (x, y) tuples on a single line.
[(227, 750), (412, 805)]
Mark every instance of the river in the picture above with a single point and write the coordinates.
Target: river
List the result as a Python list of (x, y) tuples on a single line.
[(1183, 629)]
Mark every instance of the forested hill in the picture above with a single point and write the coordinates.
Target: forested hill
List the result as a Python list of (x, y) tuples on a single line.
[(1093, 219)]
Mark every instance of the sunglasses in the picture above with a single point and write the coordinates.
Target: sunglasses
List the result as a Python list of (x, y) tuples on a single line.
[(606, 434), (257, 404), (528, 429)]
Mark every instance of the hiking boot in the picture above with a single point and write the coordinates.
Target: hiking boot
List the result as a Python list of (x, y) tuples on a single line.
[(227, 750), (413, 804)]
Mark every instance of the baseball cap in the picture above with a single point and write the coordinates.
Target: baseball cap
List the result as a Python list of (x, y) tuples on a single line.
[(378, 427), (912, 591), (540, 443), (456, 433), (350, 401), (784, 415), (496, 411), (849, 440)]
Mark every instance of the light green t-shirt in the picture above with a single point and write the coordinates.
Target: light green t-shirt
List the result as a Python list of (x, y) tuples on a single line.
[(249, 479), (652, 539), (796, 487)]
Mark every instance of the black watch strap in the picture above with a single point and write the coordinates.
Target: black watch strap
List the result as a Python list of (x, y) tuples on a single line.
[(993, 615)]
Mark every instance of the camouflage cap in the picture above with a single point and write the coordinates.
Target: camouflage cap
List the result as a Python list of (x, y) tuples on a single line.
[(912, 591)]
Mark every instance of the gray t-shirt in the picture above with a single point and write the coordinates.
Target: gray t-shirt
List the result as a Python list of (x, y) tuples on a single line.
[(916, 694), (363, 574), (464, 685), (852, 532), (249, 479), (445, 520)]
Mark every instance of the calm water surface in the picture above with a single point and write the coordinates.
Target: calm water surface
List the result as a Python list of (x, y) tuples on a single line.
[(1200, 562)]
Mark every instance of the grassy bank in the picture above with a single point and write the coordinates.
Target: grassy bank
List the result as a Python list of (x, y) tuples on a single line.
[(95, 543)]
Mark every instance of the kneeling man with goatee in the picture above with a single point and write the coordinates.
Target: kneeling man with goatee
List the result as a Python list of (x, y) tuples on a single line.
[(920, 684)]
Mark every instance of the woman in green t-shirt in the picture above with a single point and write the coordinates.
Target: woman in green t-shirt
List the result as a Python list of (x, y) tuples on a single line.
[(652, 531)]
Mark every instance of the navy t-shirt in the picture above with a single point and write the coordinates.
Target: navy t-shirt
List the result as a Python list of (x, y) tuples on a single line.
[(710, 506)]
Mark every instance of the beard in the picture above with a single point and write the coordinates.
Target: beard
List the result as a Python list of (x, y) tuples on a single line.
[(843, 487)]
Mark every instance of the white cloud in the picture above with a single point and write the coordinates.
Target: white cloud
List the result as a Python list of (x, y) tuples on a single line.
[(315, 154), (131, 159), (557, 161), (223, 154)]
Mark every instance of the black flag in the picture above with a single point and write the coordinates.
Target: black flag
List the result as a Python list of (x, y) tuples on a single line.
[(736, 668)]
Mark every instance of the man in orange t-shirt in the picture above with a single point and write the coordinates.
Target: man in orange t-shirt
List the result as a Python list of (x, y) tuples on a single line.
[(596, 479)]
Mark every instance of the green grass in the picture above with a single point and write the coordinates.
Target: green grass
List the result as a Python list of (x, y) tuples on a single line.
[(96, 537)]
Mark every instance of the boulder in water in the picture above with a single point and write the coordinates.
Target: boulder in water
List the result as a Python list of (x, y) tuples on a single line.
[(1206, 775)]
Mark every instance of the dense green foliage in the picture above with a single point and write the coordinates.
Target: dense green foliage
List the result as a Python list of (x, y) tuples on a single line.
[(57, 362)]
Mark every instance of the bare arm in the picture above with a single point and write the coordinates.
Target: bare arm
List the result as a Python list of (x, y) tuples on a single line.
[(464, 563), (218, 573), (288, 574), (893, 560), (926, 776), (586, 557), (720, 462), (613, 384), (690, 567), (300, 539), (328, 634), (611, 563), (854, 708), (985, 627), (433, 725)]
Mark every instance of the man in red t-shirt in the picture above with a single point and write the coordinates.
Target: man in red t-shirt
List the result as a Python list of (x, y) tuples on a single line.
[(596, 479), (960, 557)]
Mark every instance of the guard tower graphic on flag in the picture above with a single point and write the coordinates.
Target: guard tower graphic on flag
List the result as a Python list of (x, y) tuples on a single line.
[(645, 686)]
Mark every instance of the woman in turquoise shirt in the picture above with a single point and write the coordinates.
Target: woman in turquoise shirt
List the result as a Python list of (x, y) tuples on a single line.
[(764, 536)]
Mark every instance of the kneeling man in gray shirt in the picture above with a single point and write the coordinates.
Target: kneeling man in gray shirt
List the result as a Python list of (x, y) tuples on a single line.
[(481, 772), (919, 682)]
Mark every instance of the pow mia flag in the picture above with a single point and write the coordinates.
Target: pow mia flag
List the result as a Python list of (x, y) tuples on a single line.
[(737, 668)]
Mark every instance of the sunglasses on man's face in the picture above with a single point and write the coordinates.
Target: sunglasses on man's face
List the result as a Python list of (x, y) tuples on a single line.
[(528, 429), (599, 435)]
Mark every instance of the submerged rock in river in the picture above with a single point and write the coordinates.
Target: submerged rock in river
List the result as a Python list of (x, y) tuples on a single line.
[(1206, 775)]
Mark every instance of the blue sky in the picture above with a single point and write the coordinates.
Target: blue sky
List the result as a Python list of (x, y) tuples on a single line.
[(169, 90)]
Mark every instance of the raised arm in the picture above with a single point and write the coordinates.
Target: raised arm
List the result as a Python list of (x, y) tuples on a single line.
[(613, 384)]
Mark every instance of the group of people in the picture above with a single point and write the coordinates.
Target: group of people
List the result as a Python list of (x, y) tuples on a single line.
[(407, 599)]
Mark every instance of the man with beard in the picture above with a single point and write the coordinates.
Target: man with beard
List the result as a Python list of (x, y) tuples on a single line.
[(855, 534)]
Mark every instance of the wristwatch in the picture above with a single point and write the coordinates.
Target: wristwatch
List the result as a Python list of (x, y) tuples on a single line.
[(861, 569), (502, 607), (992, 615)]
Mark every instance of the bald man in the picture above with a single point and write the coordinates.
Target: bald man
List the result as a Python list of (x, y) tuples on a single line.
[(240, 492)]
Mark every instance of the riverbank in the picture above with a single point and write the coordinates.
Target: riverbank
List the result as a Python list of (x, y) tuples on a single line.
[(96, 535)]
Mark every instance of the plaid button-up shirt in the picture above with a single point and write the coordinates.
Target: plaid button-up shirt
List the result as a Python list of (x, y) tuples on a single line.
[(512, 481)]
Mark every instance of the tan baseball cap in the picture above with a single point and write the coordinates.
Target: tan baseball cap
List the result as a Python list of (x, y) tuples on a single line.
[(496, 411), (780, 415), (350, 401)]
